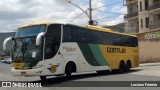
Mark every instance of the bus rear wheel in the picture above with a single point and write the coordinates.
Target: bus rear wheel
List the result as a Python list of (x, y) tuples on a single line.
[(43, 78), (128, 66), (122, 67)]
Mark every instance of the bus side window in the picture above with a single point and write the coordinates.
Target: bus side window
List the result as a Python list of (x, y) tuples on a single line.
[(96, 37), (52, 42), (84, 35), (116, 39), (134, 41), (107, 38), (70, 34), (67, 35), (74, 35)]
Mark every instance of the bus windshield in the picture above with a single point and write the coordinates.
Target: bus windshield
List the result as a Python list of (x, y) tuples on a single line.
[(30, 31), (24, 48)]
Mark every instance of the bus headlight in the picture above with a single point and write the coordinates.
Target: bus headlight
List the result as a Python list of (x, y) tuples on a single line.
[(13, 67), (37, 66)]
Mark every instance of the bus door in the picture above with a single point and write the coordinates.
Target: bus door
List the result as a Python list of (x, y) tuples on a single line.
[(53, 59)]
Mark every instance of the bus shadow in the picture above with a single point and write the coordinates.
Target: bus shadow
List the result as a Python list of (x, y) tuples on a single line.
[(54, 81)]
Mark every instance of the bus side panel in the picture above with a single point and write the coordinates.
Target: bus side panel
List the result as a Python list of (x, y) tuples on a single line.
[(114, 54), (70, 52), (54, 66), (87, 57)]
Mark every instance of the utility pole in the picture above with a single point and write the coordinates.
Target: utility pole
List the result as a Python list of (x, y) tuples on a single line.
[(90, 13), (79, 8)]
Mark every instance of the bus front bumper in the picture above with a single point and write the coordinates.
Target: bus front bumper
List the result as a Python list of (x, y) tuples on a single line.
[(28, 72)]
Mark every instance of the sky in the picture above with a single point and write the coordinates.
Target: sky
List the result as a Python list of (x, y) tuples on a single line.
[(14, 13)]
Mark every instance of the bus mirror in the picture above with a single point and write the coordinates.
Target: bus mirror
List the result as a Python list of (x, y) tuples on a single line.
[(39, 38), (5, 42)]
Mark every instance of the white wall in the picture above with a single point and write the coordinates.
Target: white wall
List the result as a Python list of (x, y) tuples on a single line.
[(149, 50)]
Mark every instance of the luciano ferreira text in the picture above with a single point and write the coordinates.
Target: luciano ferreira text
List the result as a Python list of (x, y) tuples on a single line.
[(144, 84)]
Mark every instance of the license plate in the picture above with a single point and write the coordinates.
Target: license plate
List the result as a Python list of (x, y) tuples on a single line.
[(23, 73)]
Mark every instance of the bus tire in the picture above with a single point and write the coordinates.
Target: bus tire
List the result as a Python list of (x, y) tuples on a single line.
[(128, 66), (103, 72), (122, 67), (68, 70), (100, 72), (43, 78)]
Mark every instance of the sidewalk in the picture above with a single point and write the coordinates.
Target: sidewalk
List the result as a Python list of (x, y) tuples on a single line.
[(150, 64), (149, 69)]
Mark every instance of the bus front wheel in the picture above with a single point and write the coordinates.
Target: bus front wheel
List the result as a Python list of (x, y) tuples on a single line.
[(68, 70), (103, 72), (43, 78)]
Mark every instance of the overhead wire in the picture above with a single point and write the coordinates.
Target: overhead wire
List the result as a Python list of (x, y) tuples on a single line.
[(96, 9), (110, 12), (76, 17), (107, 5)]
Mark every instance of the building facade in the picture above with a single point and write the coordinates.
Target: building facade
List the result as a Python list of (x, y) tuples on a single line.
[(143, 20), (142, 16), (131, 18)]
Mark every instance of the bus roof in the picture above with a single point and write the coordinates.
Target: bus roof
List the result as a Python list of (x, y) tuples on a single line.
[(36, 23), (99, 28), (96, 28)]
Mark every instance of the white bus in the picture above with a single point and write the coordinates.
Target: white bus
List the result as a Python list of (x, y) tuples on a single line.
[(46, 49)]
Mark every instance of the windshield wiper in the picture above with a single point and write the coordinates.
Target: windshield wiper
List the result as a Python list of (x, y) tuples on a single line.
[(23, 49)]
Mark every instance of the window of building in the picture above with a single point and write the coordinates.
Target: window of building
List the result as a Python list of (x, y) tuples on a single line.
[(141, 6), (131, 10), (158, 16), (146, 4), (142, 23), (147, 22)]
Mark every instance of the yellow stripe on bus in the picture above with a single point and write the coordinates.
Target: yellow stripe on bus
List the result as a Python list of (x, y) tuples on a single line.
[(114, 54), (18, 65)]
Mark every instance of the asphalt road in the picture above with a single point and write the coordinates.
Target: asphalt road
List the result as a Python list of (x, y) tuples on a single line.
[(146, 72)]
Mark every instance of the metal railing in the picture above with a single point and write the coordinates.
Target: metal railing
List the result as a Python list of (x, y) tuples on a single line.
[(126, 2), (154, 25), (132, 30), (127, 16), (155, 6)]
